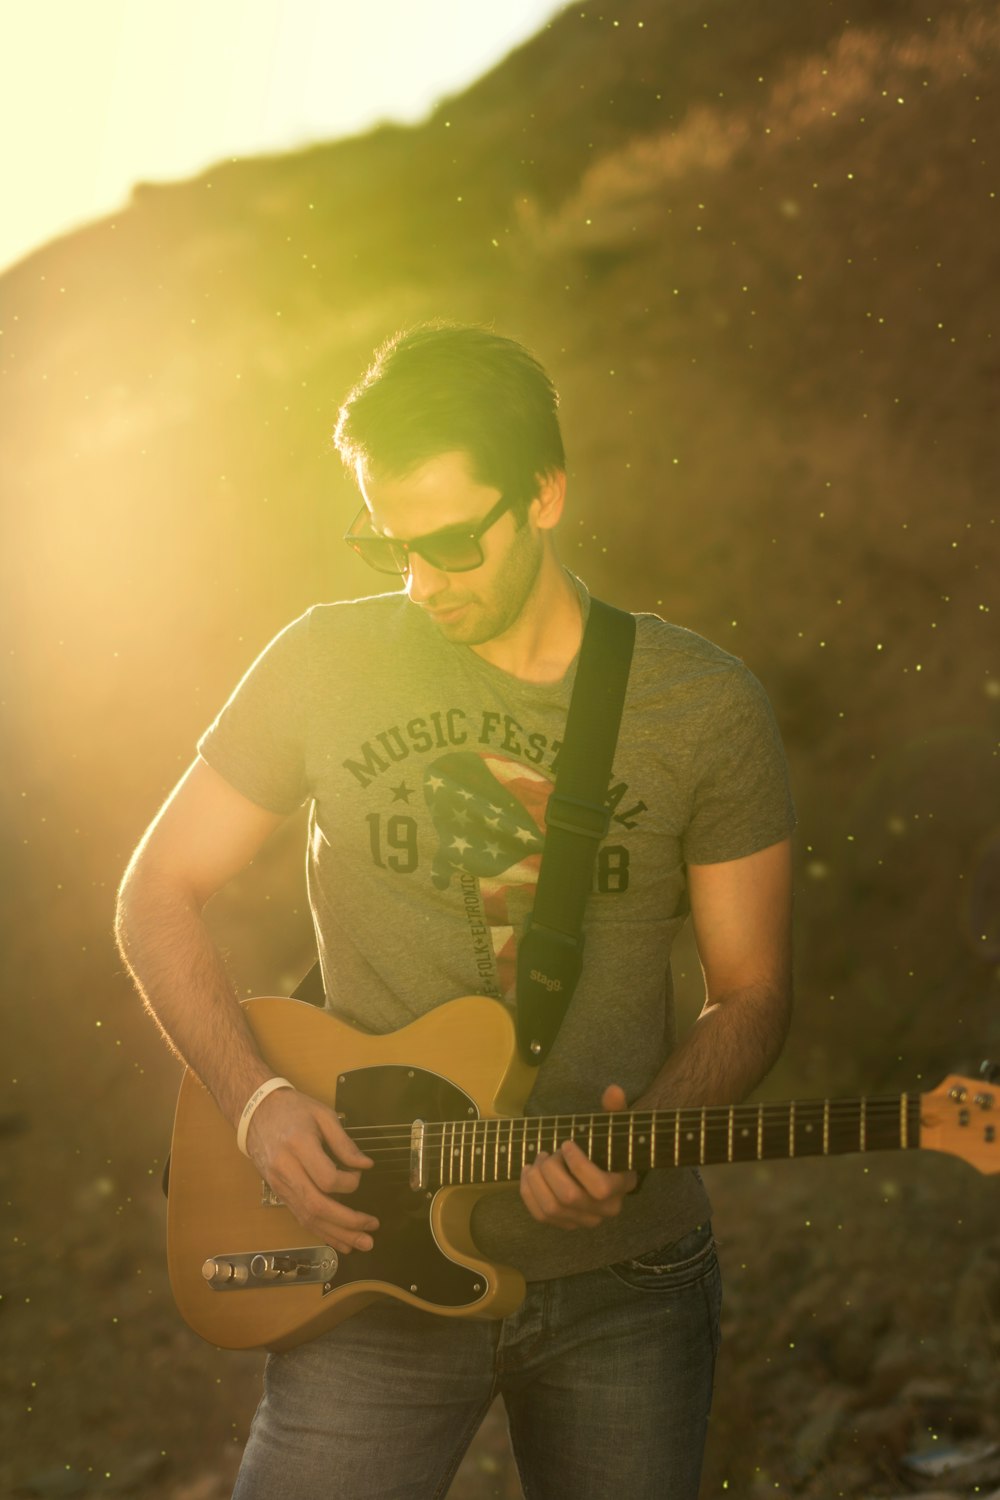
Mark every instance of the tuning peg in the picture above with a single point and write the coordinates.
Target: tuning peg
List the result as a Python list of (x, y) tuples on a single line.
[(990, 1071)]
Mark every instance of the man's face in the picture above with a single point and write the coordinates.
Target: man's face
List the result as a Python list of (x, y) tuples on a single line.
[(479, 605)]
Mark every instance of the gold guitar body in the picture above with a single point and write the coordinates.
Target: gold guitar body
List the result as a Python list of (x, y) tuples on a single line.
[(242, 1270), (434, 1106)]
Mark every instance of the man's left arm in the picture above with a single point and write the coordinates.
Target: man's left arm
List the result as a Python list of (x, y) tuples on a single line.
[(741, 911)]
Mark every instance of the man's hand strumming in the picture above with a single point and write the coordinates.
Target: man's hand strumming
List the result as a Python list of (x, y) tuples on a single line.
[(307, 1158)]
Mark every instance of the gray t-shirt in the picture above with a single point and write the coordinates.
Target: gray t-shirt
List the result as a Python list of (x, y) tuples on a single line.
[(428, 771)]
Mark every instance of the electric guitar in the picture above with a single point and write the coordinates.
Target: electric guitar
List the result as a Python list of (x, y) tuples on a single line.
[(435, 1106)]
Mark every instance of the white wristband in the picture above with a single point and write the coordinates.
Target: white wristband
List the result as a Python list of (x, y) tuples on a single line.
[(250, 1108)]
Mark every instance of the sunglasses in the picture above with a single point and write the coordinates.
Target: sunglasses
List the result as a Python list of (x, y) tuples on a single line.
[(453, 549)]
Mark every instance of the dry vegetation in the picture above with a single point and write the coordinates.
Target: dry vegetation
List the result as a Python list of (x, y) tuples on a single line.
[(758, 248)]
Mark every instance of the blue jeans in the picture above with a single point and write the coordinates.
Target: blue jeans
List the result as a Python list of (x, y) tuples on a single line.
[(606, 1377)]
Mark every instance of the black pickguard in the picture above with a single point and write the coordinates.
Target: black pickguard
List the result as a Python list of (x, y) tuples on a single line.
[(405, 1253)]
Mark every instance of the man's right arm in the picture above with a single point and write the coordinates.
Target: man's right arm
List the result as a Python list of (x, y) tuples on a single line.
[(205, 833)]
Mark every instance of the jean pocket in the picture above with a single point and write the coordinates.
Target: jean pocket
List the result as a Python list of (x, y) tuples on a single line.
[(671, 1268)]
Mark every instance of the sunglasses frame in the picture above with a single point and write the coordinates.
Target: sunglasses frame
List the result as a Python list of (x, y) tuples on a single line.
[(421, 544)]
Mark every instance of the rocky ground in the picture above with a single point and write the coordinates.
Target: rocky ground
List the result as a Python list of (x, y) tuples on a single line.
[(860, 1352)]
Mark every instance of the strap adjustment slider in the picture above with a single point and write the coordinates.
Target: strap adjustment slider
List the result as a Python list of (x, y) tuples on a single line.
[(574, 816)]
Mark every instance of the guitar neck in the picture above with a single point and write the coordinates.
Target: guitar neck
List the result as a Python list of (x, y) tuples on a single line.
[(452, 1152)]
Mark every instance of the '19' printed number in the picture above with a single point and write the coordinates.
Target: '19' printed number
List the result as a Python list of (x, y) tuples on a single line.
[(400, 836)]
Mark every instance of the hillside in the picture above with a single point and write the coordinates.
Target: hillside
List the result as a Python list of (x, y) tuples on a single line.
[(758, 249)]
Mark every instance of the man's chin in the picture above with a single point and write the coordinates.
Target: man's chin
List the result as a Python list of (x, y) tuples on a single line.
[(465, 626)]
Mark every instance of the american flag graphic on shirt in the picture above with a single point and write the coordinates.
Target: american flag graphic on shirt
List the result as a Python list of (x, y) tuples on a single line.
[(489, 814)]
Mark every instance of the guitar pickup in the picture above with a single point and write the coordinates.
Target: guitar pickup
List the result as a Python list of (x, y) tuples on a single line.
[(251, 1270)]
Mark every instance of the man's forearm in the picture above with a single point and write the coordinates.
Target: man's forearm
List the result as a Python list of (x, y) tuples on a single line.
[(181, 977), (729, 1049)]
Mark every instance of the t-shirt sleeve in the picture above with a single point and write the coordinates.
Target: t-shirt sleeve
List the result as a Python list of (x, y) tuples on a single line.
[(742, 800), (257, 741)]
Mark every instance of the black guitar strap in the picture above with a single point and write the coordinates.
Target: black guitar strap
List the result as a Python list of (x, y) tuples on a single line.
[(550, 952)]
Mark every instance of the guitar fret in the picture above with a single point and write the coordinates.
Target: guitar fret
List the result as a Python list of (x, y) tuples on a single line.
[(478, 1150)]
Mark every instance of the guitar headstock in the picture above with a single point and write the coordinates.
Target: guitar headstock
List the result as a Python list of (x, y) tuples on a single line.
[(962, 1117)]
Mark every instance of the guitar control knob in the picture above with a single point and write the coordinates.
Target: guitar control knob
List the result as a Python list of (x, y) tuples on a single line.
[(990, 1071), (224, 1272)]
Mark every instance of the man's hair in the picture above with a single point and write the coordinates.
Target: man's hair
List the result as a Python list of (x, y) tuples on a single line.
[(441, 388)]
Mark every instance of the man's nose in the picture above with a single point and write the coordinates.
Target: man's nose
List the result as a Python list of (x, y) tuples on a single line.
[(423, 580)]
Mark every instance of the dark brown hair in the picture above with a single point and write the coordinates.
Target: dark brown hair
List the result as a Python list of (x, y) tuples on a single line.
[(441, 388)]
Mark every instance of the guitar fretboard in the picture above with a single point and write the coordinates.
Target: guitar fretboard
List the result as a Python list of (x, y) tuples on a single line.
[(453, 1152)]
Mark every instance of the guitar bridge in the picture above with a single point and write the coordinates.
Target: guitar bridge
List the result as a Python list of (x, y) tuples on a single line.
[(417, 1155)]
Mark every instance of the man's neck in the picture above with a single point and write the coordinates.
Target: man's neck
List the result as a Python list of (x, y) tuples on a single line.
[(546, 635)]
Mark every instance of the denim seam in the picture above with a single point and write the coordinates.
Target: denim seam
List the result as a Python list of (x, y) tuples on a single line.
[(462, 1446), (714, 1327)]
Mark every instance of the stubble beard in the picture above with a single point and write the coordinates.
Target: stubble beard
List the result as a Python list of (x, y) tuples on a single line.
[(485, 619)]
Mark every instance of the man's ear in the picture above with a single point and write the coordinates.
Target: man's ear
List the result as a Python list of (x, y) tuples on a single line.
[(547, 506)]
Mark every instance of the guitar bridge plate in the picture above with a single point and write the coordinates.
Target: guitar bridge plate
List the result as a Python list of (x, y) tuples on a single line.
[(253, 1270)]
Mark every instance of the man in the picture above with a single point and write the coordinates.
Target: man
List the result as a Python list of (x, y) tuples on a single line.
[(423, 727)]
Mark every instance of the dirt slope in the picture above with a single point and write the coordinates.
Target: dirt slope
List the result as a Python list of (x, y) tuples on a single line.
[(758, 249)]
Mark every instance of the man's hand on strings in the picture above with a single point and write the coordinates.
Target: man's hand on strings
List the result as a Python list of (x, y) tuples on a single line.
[(567, 1189), (307, 1158)]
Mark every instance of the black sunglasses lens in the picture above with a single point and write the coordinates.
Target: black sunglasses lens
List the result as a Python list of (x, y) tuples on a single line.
[(380, 553), (458, 554)]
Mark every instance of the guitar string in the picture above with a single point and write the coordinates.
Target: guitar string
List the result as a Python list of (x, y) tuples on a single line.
[(716, 1119), (718, 1112), (465, 1158), (690, 1115), (665, 1125)]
